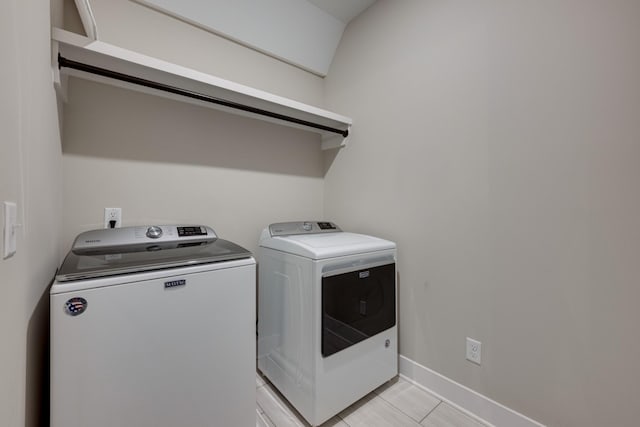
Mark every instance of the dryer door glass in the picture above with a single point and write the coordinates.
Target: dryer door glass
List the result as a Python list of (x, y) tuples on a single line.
[(357, 305)]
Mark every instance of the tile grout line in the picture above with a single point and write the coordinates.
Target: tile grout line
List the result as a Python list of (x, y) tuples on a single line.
[(391, 405), (279, 407), (430, 412), (343, 420), (402, 412), (450, 402), (375, 394), (399, 409), (267, 418), (284, 408)]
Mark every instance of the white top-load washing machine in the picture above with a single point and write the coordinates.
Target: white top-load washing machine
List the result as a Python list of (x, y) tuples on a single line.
[(327, 318), (153, 327)]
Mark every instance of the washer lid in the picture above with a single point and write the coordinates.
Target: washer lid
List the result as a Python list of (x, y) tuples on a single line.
[(325, 245), (109, 256)]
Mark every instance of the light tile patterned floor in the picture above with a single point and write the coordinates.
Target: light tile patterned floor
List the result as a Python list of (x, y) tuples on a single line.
[(397, 403)]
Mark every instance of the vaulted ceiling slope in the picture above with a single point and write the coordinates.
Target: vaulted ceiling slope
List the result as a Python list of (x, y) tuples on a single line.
[(304, 33)]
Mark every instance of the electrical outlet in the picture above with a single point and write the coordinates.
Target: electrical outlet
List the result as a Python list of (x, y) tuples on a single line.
[(112, 217), (474, 351)]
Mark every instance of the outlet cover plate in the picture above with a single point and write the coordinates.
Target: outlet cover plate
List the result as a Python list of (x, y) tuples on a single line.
[(112, 214), (474, 351)]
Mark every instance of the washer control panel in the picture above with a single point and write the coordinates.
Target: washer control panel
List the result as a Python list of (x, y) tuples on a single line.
[(302, 227), (127, 236), (197, 230), (154, 232)]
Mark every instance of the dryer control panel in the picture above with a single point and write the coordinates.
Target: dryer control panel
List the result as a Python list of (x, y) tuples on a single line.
[(302, 227)]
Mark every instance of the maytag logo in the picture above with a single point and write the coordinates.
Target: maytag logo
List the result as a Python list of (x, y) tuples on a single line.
[(364, 274), (174, 283)]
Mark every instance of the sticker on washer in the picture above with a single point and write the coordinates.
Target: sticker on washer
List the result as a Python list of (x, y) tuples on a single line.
[(75, 306)]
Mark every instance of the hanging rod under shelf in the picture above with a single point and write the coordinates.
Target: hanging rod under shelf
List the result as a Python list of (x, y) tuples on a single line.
[(68, 63)]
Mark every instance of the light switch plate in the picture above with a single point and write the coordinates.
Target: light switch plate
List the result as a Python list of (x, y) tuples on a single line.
[(10, 225)]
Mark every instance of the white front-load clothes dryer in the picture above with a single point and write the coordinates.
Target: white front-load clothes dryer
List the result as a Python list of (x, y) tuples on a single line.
[(327, 318), (153, 327)]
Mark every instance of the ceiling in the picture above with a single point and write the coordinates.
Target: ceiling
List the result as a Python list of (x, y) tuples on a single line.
[(304, 33)]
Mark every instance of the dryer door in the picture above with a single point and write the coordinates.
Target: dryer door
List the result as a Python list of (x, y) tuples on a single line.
[(357, 305)]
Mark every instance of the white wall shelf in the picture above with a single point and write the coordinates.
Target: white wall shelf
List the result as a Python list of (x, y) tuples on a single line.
[(95, 60)]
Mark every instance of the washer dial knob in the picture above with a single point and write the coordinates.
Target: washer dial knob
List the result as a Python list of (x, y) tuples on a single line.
[(306, 226), (154, 232)]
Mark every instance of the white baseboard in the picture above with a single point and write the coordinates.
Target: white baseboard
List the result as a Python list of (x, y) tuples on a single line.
[(463, 398)]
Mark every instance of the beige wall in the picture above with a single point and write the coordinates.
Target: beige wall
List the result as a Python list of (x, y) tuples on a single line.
[(163, 161), (496, 143), (499, 144), (29, 175), (102, 167), (134, 26)]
